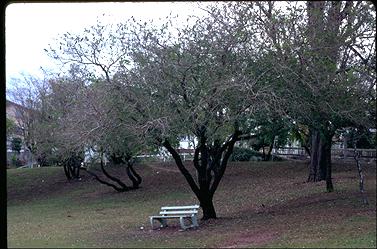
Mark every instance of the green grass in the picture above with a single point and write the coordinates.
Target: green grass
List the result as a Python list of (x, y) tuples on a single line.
[(259, 204)]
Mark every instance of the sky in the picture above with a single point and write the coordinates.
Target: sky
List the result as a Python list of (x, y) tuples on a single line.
[(30, 27)]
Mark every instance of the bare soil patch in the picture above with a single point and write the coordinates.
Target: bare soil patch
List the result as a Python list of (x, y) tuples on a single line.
[(258, 205)]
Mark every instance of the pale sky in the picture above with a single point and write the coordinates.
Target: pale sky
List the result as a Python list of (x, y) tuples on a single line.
[(30, 27)]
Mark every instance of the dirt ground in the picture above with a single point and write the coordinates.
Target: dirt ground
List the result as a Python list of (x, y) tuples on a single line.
[(258, 205)]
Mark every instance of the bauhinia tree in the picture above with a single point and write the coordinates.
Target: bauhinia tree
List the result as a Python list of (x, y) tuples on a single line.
[(96, 121), (163, 83), (112, 137), (325, 52), (197, 81)]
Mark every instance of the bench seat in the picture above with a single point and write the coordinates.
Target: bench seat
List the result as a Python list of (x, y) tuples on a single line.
[(170, 216), (181, 212)]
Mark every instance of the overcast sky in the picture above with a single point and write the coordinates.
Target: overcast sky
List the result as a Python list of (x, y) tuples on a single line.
[(30, 27)]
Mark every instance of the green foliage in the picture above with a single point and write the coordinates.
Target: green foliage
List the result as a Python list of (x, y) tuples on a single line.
[(15, 161), (363, 137), (16, 144), (245, 154), (10, 125), (49, 158)]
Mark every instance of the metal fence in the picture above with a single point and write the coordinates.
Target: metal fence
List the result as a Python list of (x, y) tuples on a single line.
[(335, 153)]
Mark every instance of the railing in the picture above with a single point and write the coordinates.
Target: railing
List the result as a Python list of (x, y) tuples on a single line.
[(339, 153), (291, 152), (344, 153), (288, 151)]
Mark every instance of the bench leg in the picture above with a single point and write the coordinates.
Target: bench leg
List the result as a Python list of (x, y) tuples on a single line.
[(151, 220), (194, 221), (182, 221), (161, 220)]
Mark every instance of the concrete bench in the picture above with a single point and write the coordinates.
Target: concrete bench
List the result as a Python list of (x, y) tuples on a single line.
[(181, 212)]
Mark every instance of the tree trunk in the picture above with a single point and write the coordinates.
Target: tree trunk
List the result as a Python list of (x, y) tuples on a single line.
[(270, 150), (113, 178), (307, 150), (322, 162), (118, 189), (208, 208), (328, 168), (67, 172), (320, 167), (315, 157), (119, 186), (210, 169), (361, 175), (133, 175)]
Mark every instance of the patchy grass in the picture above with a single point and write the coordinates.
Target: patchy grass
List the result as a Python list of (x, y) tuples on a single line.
[(259, 204)]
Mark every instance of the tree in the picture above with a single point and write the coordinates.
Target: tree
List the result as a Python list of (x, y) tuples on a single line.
[(27, 92), (316, 53), (93, 119), (72, 165), (17, 144), (355, 136), (10, 124), (270, 130), (120, 146), (191, 84), (167, 84)]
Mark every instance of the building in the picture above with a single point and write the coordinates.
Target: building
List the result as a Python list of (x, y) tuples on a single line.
[(18, 115)]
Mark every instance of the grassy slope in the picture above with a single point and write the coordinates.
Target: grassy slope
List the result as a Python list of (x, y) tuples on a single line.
[(259, 205)]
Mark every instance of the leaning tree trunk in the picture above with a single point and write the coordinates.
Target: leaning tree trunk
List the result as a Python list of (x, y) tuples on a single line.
[(133, 175), (361, 175), (118, 185)]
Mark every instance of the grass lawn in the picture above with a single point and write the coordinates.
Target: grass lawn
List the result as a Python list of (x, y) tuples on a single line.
[(259, 204)]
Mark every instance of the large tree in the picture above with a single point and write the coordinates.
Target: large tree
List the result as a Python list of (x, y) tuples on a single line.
[(198, 81), (98, 119), (325, 52)]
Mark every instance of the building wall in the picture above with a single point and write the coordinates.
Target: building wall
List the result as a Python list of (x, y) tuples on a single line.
[(16, 113)]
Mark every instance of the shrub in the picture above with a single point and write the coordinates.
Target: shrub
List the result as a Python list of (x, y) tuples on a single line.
[(245, 154), (47, 160), (16, 144), (15, 161)]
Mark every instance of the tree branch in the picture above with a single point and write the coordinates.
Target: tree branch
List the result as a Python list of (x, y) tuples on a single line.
[(182, 168)]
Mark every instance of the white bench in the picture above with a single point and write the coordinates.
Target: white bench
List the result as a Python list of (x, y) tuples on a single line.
[(181, 212)]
